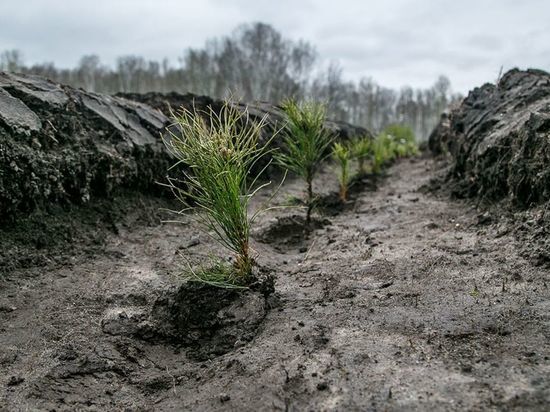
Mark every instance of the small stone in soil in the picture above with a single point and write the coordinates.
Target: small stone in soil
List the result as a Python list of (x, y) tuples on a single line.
[(224, 397), (239, 343), (485, 218), (467, 368), (15, 380), (7, 308), (303, 249), (192, 242), (322, 386)]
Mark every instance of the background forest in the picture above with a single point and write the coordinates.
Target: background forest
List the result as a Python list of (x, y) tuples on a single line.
[(256, 62)]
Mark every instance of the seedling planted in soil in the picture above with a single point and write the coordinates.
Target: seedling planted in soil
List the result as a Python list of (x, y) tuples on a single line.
[(361, 149), (342, 154), (395, 141), (306, 143), (217, 152), (404, 141), (381, 153)]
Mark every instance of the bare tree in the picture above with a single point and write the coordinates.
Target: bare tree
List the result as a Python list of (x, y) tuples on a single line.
[(256, 62), (11, 61), (89, 72)]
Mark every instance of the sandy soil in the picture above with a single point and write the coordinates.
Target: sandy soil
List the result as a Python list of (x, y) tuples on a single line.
[(402, 301)]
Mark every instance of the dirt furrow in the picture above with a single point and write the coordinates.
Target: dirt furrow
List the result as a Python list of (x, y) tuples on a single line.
[(402, 301)]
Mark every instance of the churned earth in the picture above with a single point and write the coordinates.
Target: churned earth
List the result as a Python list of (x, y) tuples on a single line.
[(401, 300)]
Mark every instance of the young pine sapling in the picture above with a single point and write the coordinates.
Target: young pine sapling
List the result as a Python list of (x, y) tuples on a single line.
[(382, 152), (342, 155), (361, 149), (218, 152), (306, 143), (405, 141)]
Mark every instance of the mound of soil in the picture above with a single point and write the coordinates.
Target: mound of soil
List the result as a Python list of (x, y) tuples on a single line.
[(60, 145), (206, 320), (499, 142), (498, 138), (167, 102)]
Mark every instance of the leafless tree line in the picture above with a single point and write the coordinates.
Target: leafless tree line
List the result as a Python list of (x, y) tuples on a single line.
[(256, 63)]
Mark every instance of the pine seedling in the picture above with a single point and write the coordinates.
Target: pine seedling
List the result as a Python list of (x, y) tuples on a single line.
[(381, 152), (217, 152), (361, 149), (305, 143), (341, 154), (404, 139)]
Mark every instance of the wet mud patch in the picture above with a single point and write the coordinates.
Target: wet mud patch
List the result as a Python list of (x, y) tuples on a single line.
[(290, 233), (206, 321)]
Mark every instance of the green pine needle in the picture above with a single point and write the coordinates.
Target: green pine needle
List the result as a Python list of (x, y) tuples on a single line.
[(217, 152), (306, 143)]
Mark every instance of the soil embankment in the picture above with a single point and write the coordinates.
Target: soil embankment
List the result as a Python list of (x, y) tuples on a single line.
[(499, 141), (63, 146)]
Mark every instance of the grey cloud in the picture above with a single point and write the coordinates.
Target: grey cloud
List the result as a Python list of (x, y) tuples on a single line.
[(395, 42), (488, 43)]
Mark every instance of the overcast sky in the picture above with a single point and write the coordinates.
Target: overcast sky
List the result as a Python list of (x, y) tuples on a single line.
[(395, 42)]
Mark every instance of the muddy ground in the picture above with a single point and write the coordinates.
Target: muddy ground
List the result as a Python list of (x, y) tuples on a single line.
[(403, 300)]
